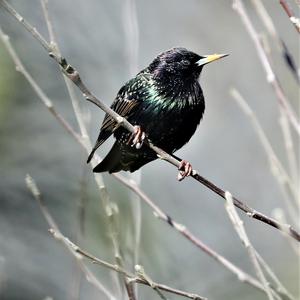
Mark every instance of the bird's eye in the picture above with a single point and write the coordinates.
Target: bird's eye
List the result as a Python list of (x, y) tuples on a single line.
[(185, 62)]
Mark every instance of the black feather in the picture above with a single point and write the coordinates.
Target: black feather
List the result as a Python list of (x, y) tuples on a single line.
[(165, 99)]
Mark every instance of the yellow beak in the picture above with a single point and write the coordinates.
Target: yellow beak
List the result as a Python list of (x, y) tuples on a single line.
[(209, 58)]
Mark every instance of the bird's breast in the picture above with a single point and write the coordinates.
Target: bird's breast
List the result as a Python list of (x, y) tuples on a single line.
[(170, 120)]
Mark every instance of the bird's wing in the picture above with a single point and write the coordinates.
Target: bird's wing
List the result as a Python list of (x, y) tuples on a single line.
[(124, 104)]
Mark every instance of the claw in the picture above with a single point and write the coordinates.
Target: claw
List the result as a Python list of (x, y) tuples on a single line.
[(137, 138), (185, 169)]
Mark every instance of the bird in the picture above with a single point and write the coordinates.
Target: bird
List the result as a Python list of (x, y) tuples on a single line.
[(165, 104)]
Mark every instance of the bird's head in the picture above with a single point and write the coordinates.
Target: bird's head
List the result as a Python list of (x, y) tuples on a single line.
[(180, 63)]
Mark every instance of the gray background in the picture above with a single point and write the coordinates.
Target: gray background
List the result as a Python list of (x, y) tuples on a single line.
[(225, 149)]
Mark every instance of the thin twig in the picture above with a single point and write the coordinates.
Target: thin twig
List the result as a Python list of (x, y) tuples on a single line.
[(131, 30), (271, 77), (285, 125), (286, 184), (281, 290), (80, 232), (73, 75), (130, 276), (132, 35), (142, 274), (289, 12), (79, 117), (78, 252), (239, 227), (88, 274), (46, 100), (48, 22), (75, 290), (183, 230), (269, 25), (280, 215), (290, 151)]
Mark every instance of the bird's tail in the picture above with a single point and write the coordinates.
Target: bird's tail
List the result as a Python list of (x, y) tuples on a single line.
[(112, 161), (97, 145), (124, 157)]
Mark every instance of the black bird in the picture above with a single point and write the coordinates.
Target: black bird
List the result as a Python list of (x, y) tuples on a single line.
[(163, 101)]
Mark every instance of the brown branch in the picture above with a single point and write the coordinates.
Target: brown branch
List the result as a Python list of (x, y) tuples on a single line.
[(289, 12), (183, 230), (77, 252), (131, 277), (90, 277), (86, 140), (73, 75)]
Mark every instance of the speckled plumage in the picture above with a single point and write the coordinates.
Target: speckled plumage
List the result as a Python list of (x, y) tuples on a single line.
[(165, 99)]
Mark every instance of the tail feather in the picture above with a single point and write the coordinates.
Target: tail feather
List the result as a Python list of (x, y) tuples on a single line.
[(124, 157), (91, 155), (111, 162), (103, 136)]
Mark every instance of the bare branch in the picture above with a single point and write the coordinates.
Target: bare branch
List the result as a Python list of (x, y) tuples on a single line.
[(269, 25), (183, 230), (116, 268), (79, 117), (285, 182), (88, 274), (131, 30), (271, 77), (295, 21), (46, 101), (78, 252), (48, 21), (239, 227), (73, 75), (290, 151), (281, 290)]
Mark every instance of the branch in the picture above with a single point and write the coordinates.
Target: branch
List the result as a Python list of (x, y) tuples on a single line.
[(239, 227), (184, 231), (268, 23), (271, 77), (131, 45), (280, 292), (31, 185), (289, 12), (73, 75), (280, 289), (77, 252), (288, 187), (130, 276), (85, 138)]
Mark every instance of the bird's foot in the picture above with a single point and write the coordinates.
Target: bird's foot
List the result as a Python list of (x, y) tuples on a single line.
[(137, 138), (185, 169)]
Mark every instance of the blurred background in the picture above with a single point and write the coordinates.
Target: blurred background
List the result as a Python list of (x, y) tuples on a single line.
[(103, 43)]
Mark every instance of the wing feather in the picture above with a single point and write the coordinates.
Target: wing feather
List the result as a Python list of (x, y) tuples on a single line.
[(125, 103)]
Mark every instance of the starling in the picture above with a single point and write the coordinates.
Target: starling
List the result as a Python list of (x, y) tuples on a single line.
[(165, 103)]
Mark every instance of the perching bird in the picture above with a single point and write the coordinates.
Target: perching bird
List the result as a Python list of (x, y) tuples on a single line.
[(165, 102)]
